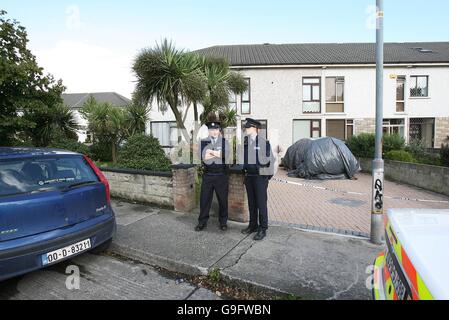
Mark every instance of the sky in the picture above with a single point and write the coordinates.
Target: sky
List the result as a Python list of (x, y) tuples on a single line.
[(91, 44)]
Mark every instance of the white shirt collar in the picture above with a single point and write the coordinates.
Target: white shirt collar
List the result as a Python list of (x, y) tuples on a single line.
[(253, 137)]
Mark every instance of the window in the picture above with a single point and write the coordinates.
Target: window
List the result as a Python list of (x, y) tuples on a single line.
[(422, 130), (39, 175), (341, 129), (263, 132), (394, 126), (246, 99), (89, 137), (306, 129), (419, 86), (311, 95), (400, 94), (233, 101), (166, 132), (349, 129), (335, 94)]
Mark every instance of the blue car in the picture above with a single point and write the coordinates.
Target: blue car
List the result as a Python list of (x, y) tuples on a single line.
[(54, 205)]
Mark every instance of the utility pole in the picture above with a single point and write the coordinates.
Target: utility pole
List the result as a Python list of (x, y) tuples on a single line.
[(377, 206)]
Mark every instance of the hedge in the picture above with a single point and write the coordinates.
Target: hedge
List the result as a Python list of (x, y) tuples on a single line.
[(143, 153)]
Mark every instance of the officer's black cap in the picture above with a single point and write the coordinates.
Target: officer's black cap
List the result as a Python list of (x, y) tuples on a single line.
[(213, 125), (252, 123)]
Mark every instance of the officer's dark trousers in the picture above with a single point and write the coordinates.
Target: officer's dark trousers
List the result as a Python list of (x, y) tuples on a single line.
[(219, 184), (256, 188)]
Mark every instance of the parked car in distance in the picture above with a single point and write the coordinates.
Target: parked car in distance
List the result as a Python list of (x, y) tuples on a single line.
[(54, 205), (414, 264)]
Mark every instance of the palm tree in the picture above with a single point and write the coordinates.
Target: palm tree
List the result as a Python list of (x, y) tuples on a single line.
[(64, 120), (221, 83), (228, 117), (50, 121), (137, 116), (170, 76), (107, 122)]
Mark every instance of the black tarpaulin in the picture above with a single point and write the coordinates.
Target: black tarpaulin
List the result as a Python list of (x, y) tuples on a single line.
[(321, 159)]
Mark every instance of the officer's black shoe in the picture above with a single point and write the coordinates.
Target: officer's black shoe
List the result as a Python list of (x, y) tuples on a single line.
[(260, 235), (200, 227), (224, 227), (249, 230)]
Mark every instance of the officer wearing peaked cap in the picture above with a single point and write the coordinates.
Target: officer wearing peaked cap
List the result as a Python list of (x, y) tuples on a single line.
[(259, 169), (214, 157)]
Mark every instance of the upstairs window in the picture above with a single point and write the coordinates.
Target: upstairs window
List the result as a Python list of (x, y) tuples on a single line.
[(246, 99), (400, 94), (335, 94), (419, 86), (311, 95)]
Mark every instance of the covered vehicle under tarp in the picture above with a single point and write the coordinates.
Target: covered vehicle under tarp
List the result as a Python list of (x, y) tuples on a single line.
[(320, 159)]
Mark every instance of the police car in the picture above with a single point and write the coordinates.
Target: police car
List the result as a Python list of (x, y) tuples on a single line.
[(415, 263)]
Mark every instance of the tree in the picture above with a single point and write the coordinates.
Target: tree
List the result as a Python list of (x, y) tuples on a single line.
[(228, 117), (137, 116), (181, 79), (170, 76), (106, 122), (221, 83), (24, 89), (51, 119)]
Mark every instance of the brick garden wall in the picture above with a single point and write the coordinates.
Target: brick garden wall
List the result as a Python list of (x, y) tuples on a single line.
[(184, 187), (237, 199)]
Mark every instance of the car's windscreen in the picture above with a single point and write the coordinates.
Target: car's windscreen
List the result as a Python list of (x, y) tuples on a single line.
[(19, 176)]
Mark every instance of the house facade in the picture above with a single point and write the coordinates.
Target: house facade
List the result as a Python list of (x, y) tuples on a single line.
[(317, 90), (75, 102)]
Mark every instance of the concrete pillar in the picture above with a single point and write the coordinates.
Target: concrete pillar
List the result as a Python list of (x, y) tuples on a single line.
[(184, 187)]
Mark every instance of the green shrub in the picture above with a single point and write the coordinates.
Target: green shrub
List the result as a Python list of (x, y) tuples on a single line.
[(419, 152), (101, 151), (393, 142), (70, 145), (362, 145), (19, 143), (400, 155), (144, 153), (416, 147), (444, 155), (433, 159)]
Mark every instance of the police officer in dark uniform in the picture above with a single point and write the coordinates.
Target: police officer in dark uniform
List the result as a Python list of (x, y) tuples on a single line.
[(259, 169), (214, 156)]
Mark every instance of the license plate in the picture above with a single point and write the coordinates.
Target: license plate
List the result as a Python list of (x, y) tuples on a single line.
[(397, 283), (63, 253), (400, 283)]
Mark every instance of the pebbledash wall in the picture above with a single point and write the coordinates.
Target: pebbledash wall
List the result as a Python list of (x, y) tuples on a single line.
[(432, 178), (175, 190)]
